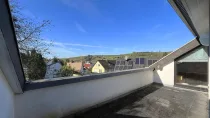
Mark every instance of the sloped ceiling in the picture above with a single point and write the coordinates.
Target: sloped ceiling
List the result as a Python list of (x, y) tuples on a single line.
[(196, 13)]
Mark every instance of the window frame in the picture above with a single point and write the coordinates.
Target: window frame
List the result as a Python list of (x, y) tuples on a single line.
[(186, 53), (10, 62), (11, 66)]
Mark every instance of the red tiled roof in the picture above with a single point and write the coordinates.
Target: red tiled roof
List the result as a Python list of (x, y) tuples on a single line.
[(87, 65), (76, 65)]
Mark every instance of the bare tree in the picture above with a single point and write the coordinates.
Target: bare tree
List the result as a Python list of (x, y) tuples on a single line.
[(28, 31), (30, 43)]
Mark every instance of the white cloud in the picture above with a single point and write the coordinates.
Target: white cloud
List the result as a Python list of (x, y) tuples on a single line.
[(102, 53), (88, 8), (169, 35), (57, 44), (85, 6), (28, 13), (66, 50), (84, 45), (61, 52), (80, 28), (74, 44)]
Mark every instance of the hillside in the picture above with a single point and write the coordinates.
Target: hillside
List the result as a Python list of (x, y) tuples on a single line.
[(94, 58)]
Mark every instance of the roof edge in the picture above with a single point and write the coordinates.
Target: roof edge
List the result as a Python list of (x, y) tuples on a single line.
[(184, 16), (177, 53)]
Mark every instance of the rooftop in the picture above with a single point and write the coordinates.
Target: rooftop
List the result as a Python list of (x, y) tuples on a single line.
[(75, 65), (155, 101), (107, 64)]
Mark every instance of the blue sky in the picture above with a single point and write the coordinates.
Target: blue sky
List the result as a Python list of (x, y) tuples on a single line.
[(82, 27)]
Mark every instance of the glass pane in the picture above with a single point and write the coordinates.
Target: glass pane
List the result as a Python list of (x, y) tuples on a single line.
[(117, 68), (141, 60), (198, 55), (118, 63), (122, 63), (130, 63), (121, 67), (137, 61), (192, 69), (84, 37)]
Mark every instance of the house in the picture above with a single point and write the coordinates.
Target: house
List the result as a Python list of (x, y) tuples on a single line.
[(143, 62), (102, 66), (185, 67), (87, 65), (87, 68), (151, 61), (125, 64), (52, 69), (77, 66)]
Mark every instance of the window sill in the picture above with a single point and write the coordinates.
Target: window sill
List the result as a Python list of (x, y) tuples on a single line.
[(69, 80)]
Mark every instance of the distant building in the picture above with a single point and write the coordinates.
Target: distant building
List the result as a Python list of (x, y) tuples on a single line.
[(144, 62), (102, 66), (151, 61), (125, 64), (77, 66), (52, 69), (87, 65)]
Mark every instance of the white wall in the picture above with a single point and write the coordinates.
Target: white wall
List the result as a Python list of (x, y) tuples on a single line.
[(64, 99), (6, 98), (52, 70), (165, 75)]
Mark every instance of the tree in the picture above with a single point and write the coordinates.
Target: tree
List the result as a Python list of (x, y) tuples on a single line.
[(165, 53), (55, 60), (66, 71), (62, 62), (28, 31), (35, 64), (67, 60), (89, 58), (31, 45)]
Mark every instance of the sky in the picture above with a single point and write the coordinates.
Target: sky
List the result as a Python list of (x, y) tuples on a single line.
[(108, 27)]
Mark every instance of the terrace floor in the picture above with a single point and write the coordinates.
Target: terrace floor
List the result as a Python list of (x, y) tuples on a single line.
[(153, 101)]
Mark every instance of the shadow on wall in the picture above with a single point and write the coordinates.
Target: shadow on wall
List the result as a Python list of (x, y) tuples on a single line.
[(156, 77), (164, 73)]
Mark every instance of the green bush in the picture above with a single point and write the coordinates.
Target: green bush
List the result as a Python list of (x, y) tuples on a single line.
[(66, 71)]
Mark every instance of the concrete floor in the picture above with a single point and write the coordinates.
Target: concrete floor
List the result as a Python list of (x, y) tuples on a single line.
[(153, 101)]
